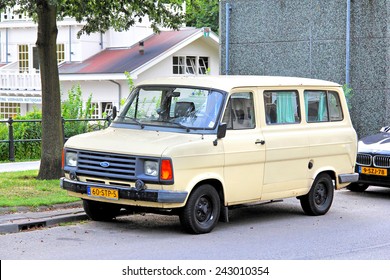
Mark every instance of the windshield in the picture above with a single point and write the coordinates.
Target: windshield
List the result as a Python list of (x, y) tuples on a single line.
[(191, 108)]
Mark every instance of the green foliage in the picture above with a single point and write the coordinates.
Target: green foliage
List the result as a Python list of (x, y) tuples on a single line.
[(348, 92), (101, 15), (95, 16), (23, 131), (73, 108), (203, 13), (28, 130), (3, 146), (130, 81)]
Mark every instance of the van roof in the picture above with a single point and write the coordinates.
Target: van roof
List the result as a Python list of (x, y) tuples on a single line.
[(226, 82)]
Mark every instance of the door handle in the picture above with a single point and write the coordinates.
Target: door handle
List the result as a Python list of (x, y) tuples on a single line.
[(258, 141)]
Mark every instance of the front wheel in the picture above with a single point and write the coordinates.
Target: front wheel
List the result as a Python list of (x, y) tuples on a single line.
[(201, 213), (320, 197), (100, 211)]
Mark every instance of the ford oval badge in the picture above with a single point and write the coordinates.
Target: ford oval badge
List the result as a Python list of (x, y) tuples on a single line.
[(104, 164)]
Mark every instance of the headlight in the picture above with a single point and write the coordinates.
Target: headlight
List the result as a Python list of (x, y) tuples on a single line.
[(71, 159), (151, 168)]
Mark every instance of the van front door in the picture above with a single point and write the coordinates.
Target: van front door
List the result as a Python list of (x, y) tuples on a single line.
[(244, 150)]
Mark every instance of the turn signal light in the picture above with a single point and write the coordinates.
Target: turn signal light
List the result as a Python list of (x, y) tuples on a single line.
[(166, 172), (63, 159)]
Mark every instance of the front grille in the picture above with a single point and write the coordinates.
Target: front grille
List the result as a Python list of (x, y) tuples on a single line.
[(364, 159), (118, 167), (382, 161)]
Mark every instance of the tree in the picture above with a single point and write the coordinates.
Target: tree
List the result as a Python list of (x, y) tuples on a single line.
[(203, 13), (97, 16)]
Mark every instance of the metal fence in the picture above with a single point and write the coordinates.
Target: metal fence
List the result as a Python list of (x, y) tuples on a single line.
[(94, 125)]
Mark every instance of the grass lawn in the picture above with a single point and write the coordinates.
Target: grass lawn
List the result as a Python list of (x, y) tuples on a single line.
[(22, 189)]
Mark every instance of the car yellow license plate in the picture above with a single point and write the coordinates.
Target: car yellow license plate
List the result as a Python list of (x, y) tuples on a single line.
[(102, 192), (373, 171)]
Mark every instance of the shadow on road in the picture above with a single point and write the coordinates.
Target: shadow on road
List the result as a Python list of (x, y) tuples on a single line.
[(371, 192)]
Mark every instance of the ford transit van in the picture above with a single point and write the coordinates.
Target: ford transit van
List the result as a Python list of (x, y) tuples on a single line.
[(197, 146)]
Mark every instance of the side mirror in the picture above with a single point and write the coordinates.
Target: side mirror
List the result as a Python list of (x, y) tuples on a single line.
[(114, 113), (221, 132)]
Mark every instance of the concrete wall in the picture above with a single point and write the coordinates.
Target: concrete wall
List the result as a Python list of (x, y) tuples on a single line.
[(307, 38)]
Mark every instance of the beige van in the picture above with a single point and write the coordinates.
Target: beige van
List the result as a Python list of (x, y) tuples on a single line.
[(196, 146)]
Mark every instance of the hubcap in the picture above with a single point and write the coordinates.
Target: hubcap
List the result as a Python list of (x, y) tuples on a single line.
[(320, 194), (203, 209)]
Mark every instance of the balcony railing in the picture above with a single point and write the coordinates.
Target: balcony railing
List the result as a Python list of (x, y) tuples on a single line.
[(9, 14), (13, 81)]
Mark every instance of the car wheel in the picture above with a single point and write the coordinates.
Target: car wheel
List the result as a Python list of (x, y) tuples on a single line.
[(357, 187), (320, 197), (201, 213), (100, 211)]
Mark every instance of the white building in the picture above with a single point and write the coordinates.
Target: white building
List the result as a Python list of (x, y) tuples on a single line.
[(97, 62)]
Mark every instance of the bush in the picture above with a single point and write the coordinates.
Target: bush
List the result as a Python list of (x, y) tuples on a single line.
[(3, 146), (23, 131), (72, 108)]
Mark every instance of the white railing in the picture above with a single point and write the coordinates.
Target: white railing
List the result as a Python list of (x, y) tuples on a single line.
[(9, 14), (12, 80)]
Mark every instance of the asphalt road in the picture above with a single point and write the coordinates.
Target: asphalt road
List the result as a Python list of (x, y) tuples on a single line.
[(356, 228)]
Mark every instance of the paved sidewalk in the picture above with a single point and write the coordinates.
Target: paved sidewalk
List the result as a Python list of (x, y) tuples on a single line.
[(19, 166), (18, 219)]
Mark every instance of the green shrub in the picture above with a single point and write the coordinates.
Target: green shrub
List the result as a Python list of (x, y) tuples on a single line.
[(3, 146), (348, 92), (28, 131), (23, 131), (73, 108)]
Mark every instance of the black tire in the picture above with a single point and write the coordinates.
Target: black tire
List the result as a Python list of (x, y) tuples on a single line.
[(357, 187), (201, 213), (100, 211), (320, 197)]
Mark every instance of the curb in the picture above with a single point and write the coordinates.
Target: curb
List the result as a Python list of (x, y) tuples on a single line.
[(54, 215), (24, 209)]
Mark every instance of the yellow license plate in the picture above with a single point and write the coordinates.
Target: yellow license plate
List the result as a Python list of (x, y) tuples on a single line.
[(102, 192), (373, 171)]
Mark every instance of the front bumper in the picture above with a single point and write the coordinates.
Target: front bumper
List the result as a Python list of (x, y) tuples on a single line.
[(161, 196), (348, 178), (371, 179)]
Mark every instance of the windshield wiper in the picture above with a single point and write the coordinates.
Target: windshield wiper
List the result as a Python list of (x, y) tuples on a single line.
[(174, 123), (179, 125), (134, 120)]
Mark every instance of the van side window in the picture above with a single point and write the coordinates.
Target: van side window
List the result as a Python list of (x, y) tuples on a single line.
[(239, 112), (281, 107), (335, 112), (322, 106)]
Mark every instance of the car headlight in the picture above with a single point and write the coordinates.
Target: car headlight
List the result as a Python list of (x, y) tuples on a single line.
[(151, 168), (71, 159)]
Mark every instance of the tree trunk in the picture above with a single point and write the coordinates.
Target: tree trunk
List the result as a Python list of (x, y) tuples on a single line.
[(52, 135)]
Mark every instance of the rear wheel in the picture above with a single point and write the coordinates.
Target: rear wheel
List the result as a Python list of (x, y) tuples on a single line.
[(100, 211), (320, 197), (357, 187), (201, 213)]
